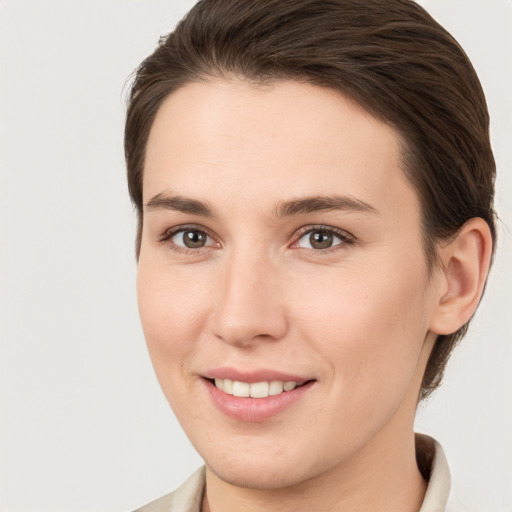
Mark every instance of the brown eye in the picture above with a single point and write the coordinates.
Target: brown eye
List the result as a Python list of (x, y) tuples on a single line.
[(321, 239), (191, 239)]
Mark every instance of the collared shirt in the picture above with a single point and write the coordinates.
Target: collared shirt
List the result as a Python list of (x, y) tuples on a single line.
[(189, 497)]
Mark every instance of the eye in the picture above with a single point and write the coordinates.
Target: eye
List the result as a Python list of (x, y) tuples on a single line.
[(190, 238), (322, 238)]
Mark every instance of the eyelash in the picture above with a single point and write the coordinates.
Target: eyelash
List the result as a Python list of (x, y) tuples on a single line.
[(344, 237)]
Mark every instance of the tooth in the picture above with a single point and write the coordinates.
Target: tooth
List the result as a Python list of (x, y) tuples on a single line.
[(259, 390), (220, 384), (276, 387), (288, 386), (241, 389), (228, 386), (254, 390)]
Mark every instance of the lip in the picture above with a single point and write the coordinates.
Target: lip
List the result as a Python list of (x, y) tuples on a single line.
[(252, 376), (254, 409)]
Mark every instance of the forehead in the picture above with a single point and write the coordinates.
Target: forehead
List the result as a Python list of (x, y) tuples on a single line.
[(262, 142)]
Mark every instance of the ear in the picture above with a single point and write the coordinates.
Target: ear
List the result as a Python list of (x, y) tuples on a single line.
[(465, 265)]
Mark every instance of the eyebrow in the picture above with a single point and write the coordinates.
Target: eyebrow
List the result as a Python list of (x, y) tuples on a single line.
[(320, 203), (164, 201), (283, 209)]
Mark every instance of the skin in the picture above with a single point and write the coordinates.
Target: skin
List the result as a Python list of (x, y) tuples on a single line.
[(360, 317)]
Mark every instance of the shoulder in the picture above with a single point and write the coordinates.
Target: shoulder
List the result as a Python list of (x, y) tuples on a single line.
[(187, 498)]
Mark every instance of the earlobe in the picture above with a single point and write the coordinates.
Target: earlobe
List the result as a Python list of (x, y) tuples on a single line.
[(465, 265)]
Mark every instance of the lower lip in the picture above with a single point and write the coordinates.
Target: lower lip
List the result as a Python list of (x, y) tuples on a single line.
[(255, 409)]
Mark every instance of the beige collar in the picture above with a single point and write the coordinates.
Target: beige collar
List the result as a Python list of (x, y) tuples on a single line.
[(439, 482)]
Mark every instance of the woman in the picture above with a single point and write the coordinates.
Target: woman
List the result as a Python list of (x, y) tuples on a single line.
[(314, 185)]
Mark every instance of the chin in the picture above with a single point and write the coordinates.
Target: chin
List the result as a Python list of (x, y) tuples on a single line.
[(260, 476), (270, 464)]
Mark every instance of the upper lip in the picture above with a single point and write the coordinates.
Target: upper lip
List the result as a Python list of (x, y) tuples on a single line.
[(251, 376)]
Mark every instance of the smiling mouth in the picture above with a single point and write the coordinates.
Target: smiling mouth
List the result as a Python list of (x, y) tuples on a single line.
[(262, 389)]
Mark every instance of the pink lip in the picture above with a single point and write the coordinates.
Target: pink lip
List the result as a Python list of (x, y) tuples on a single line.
[(254, 409), (252, 375)]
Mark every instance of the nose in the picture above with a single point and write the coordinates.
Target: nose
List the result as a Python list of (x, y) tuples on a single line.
[(249, 308)]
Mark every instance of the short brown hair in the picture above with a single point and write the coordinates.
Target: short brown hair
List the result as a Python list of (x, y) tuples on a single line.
[(389, 56)]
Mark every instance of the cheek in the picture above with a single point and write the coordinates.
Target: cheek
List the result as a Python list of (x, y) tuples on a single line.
[(368, 324), (172, 310)]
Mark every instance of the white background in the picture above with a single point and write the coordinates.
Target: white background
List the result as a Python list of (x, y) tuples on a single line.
[(84, 426)]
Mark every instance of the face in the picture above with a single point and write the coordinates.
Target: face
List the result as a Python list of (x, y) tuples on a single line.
[(282, 282)]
